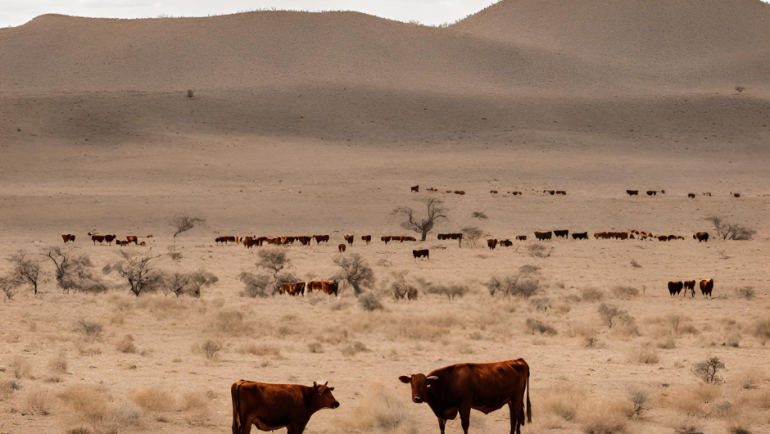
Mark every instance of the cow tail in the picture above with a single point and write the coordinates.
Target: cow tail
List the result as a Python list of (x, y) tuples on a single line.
[(529, 405)]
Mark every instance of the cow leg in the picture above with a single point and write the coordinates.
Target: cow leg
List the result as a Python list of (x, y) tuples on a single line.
[(442, 424), (295, 429), (514, 417), (465, 416)]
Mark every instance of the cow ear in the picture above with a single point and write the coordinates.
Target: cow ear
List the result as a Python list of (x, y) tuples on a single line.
[(432, 378), (326, 384), (315, 384), (405, 379)]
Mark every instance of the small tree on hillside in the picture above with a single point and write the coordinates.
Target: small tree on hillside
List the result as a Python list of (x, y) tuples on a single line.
[(275, 262), (184, 223), (179, 283), (24, 271), (355, 271), (472, 235), (435, 212), (731, 231), (73, 271), (137, 270)]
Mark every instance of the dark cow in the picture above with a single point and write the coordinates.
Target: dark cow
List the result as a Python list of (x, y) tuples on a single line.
[(506, 243), (274, 406), (707, 193), (460, 192), (432, 189), (493, 191), (293, 289), (516, 193), (68, 238), (551, 192), (142, 244), (421, 253), (633, 192), (736, 194), (580, 236), (691, 195), (674, 288), (95, 238), (305, 240), (367, 238), (330, 287), (110, 238), (385, 240), (706, 286), (341, 248), (442, 237), (561, 234), (321, 239), (408, 239), (652, 193), (416, 189), (701, 237), (521, 237), (121, 243), (543, 235), (134, 239), (349, 238), (689, 285), (491, 243), (561, 192), (485, 387)]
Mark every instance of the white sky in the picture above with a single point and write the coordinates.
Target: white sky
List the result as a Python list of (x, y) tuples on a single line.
[(18, 12)]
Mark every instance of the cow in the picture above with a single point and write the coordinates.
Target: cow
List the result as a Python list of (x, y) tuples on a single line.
[(706, 286), (561, 192), (672, 237), (580, 236), (689, 285), (551, 192), (460, 192), (385, 240), (142, 244), (349, 238), (736, 194), (408, 239), (516, 193), (491, 243), (633, 192), (321, 239), (707, 193), (561, 234), (485, 387), (415, 189), (674, 288), (398, 238), (305, 240), (110, 238), (521, 237), (652, 193), (293, 289), (341, 248), (95, 238), (663, 192), (701, 237), (222, 240), (68, 238), (442, 237), (421, 253), (274, 406), (121, 243), (250, 242), (691, 195), (543, 235), (506, 243), (330, 287), (493, 191), (367, 238), (134, 239), (432, 189)]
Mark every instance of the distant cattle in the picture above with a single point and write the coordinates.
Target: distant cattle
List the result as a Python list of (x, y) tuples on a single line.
[(561, 192), (492, 243), (485, 387), (121, 243), (674, 288), (707, 193), (250, 242), (415, 189), (432, 189), (701, 237), (632, 192), (493, 191), (349, 238), (293, 289), (561, 234), (706, 286), (68, 238), (142, 244), (367, 238), (460, 192), (689, 285), (506, 243), (691, 195), (516, 193), (408, 239), (736, 194), (321, 239), (95, 238), (341, 248), (330, 287), (109, 238), (551, 192), (543, 235), (272, 407), (134, 239), (421, 253), (304, 239), (580, 236), (521, 237), (385, 240), (652, 193)]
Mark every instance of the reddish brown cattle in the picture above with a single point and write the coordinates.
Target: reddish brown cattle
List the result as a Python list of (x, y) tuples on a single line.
[(652, 193), (134, 239), (367, 238), (330, 287), (691, 195), (672, 237), (274, 240), (736, 194), (674, 288), (416, 189), (663, 192), (110, 238), (321, 239), (95, 238), (397, 238), (68, 238), (385, 240), (142, 244), (341, 248), (270, 407), (521, 237), (632, 192), (408, 239), (121, 243), (493, 191), (506, 243), (293, 289), (432, 189), (305, 240), (561, 234), (349, 238), (485, 387), (460, 192), (491, 243), (551, 192), (543, 235), (689, 285), (250, 242), (422, 253), (561, 192), (701, 237), (706, 286)]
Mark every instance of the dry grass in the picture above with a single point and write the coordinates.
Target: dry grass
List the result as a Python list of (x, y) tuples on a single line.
[(22, 368), (315, 347), (563, 403), (126, 345), (7, 389), (38, 403), (231, 323), (91, 402), (762, 330), (209, 348), (625, 292), (591, 295), (354, 348), (613, 418), (381, 410), (91, 329), (534, 325), (692, 401), (644, 353), (153, 399), (197, 407), (260, 350)]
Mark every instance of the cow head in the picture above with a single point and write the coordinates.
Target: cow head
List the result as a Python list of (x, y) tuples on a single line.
[(324, 397), (420, 384)]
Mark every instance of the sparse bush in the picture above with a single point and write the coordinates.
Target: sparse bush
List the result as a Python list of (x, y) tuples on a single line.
[(708, 370), (646, 354), (401, 289), (539, 251), (210, 348), (153, 399), (138, 272), (739, 427), (635, 264), (625, 292), (746, 292), (92, 329), (536, 325), (260, 350), (449, 291), (174, 254), (315, 347), (667, 344), (370, 302), (513, 285), (435, 213), (24, 271), (613, 419), (9, 287), (183, 222), (479, 215), (639, 400), (7, 388), (564, 403), (126, 345), (57, 365), (471, 235), (74, 271), (39, 403), (179, 283), (274, 261), (529, 269), (541, 304), (380, 410), (354, 348), (612, 315), (762, 330), (256, 285), (589, 294), (355, 271), (22, 368), (731, 231)]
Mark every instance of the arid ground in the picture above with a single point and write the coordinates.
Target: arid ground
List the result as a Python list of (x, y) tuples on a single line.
[(305, 124)]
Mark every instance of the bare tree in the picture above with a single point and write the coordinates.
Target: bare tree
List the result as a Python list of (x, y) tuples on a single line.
[(25, 270), (355, 271), (513, 285), (472, 235), (184, 223), (731, 231), (73, 270), (707, 370), (435, 212), (137, 270), (179, 283), (9, 287), (275, 261)]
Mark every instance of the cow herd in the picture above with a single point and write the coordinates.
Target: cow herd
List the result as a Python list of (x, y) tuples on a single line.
[(330, 287), (706, 287), (630, 234), (108, 238)]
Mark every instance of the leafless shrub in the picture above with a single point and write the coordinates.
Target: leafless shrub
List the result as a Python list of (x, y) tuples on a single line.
[(536, 325), (539, 251), (22, 368), (762, 330), (731, 231), (688, 427), (57, 365), (471, 235), (355, 271), (315, 347), (541, 304), (39, 403), (435, 213), (126, 345), (513, 285), (646, 354), (449, 291), (74, 271), (613, 419), (354, 348), (274, 260), (746, 292), (479, 215), (260, 350), (137, 271), (153, 399), (590, 294), (639, 399), (401, 288), (183, 223), (612, 315), (625, 292), (635, 264), (9, 287), (370, 303), (24, 271), (92, 329), (179, 283), (257, 285), (708, 370), (175, 255), (210, 348)]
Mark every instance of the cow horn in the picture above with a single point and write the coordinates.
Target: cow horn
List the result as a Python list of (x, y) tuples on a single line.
[(432, 377), (315, 384)]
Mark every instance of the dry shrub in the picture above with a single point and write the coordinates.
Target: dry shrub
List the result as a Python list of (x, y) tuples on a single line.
[(231, 323), (591, 295), (7, 388), (539, 251), (332, 335), (619, 320), (564, 403), (625, 292), (738, 427), (687, 426), (210, 348), (126, 345), (691, 400), (762, 330), (89, 401), (381, 410), (645, 353), (369, 302), (196, 404), (751, 379), (22, 368), (260, 350), (429, 327), (91, 329), (519, 286), (540, 304), (39, 403), (79, 430), (57, 366), (354, 348), (667, 344), (535, 325), (688, 329), (154, 399), (746, 292), (451, 291), (611, 418), (315, 347), (708, 370)]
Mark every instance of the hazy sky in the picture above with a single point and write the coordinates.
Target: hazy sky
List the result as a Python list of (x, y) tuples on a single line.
[(17, 12)]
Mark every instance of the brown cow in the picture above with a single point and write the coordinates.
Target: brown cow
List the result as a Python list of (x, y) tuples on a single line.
[(305, 240), (367, 238), (485, 387), (543, 235), (551, 192), (491, 243), (736, 194), (408, 239), (385, 240), (134, 239), (460, 192), (652, 193), (516, 193), (121, 243), (493, 191), (330, 287), (110, 238), (68, 238), (561, 192), (506, 243), (580, 236), (142, 244), (521, 237), (421, 253), (349, 238), (341, 248), (274, 406), (689, 285), (691, 195), (95, 238), (416, 189), (561, 234), (432, 189), (701, 237), (293, 289), (674, 288), (321, 239), (706, 286), (633, 192)]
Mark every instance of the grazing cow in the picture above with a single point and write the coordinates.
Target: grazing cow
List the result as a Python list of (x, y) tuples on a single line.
[(385, 240), (493, 191), (691, 195), (551, 192), (652, 193), (432, 189), (736, 194), (330, 287), (561, 192), (95, 238), (442, 237), (321, 239), (460, 192), (701, 237), (305, 240), (293, 289), (110, 238), (674, 288), (633, 192), (250, 242), (580, 236), (367, 238), (672, 237), (134, 239), (342, 248), (706, 286), (397, 238), (543, 235), (707, 193), (142, 244), (492, 244), (561, 234), (274, 406), (689, 285), (222, 240), (349, 238), (521, 237), (121, 243), (516, 193), (421, 253), (408, 239), (416, 189), (68, 238), (485, 387), (506, 243)]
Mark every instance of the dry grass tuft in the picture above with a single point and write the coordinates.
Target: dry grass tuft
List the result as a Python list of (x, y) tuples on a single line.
[(381, 410), (535, 325), (564, 403), (315, 347), (354, 348), (645, 353), (260, 349), (196, 404), (591, 295), (91, 329), (153, 399), (612, 419), (7, 388), (79, 430), (231, 323), (692, 400), (126, 345), (625, 292), (22, 368), (762, 330), (38, 403)]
